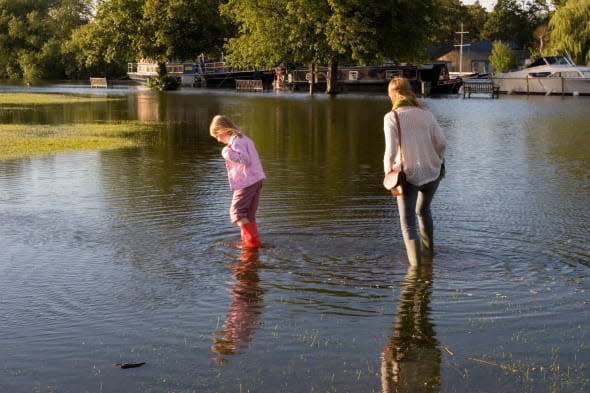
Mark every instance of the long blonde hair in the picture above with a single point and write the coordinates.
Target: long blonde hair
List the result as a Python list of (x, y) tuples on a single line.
[(221, 125), (401, 89)]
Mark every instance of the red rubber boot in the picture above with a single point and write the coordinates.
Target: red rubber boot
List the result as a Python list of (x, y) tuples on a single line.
[(250, 237)]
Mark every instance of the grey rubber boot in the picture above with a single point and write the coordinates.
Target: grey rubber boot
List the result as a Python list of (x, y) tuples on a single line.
[(426, 234), (413, 250)]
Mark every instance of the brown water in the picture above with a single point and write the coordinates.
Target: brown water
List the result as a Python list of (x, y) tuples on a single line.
[(128, 255)]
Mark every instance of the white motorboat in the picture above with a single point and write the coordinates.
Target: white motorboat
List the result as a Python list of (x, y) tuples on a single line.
[(547, 75)]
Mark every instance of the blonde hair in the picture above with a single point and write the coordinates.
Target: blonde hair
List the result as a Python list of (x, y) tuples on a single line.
[(401, 88), (223, 125)]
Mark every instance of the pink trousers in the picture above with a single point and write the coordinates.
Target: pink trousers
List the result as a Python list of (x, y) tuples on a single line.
[(245, 203)]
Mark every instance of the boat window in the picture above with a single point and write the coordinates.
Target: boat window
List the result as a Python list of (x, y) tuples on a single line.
[(390, 74), (539, 62), (539, 74)]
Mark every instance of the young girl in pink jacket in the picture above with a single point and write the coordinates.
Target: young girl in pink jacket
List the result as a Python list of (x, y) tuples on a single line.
[(245, 175)]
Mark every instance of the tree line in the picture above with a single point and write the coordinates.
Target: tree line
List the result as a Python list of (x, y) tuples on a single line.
[(78, 38)]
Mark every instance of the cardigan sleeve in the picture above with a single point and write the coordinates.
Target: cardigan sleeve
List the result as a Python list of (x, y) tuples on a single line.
[(237, 151), (390, 132)]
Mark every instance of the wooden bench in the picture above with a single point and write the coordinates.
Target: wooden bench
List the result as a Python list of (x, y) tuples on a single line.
[(99, 82), (480, 86), (249, 85)]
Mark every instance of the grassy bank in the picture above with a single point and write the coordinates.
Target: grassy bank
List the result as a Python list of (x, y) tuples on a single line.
[(46, 98), (27, 140)]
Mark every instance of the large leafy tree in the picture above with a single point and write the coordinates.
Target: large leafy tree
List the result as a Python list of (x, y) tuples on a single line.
[(508, 22), (109, 40), (516, 21), (31, 35), (180, 29), (451, 17), (160, 30), (570, 30), (303, 31), (475, 18), (270, 32)]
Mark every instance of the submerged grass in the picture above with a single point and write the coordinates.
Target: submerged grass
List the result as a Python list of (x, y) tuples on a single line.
[(48, 98), (27, 140)]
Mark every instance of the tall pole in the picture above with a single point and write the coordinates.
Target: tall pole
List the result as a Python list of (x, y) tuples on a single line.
[(462, 33)]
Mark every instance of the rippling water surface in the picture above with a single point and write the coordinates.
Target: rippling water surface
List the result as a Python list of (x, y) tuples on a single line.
[(129, 256)]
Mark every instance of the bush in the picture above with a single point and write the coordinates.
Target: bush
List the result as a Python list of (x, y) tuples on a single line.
[(162, 83), (502, 57)]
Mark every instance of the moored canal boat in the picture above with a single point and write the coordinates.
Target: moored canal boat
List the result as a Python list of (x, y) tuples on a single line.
[(427, 79), (201, 74)]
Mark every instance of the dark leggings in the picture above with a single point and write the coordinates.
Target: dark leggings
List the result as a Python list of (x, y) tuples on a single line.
[(414, 208)]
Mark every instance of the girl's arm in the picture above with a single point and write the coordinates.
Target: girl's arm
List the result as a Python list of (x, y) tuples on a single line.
[(237, 151), (390, 143), (438, 138)]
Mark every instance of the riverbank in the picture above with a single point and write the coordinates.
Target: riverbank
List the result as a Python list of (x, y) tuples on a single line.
[(47, 98), (28, 140)]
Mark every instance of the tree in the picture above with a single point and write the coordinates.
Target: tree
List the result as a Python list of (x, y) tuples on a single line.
[(160, 30), (450, 15), (32, 33), (516, 21), (570, 30), (108, 40), (326, 31), (180, 29), (502, 57), (508, 22), (475, 20)]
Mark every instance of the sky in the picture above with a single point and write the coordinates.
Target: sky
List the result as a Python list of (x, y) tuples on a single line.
[(487, 4)]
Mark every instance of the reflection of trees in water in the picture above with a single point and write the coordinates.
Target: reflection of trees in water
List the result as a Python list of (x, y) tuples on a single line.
[(243, 317), (411, 360)]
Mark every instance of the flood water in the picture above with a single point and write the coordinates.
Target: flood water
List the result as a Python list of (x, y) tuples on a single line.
[(129, 256)]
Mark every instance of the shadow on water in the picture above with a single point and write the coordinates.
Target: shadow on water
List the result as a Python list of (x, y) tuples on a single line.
[(129, 255)]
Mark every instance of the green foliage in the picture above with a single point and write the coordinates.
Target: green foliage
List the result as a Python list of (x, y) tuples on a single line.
[(179, 29), (32, 33), (29, 64), (163, 83), (326, 31), (516, 21), (570, 30), (502, 57), (475, 20), (160, 30), (61, 38)]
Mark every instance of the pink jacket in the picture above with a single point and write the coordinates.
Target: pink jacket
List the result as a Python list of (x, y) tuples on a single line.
[(242, 163)]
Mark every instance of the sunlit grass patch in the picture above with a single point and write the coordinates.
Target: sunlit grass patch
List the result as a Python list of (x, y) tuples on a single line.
[(48, 98), (26, 140)]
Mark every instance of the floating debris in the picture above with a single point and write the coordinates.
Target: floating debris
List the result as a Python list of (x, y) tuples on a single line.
[(128, 365)]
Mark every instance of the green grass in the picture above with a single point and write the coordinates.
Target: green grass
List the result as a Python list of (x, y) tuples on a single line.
[(45, 99), (27, 140)]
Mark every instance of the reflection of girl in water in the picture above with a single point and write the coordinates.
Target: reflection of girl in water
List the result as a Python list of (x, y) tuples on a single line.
[(243, 317), (411, 360)]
